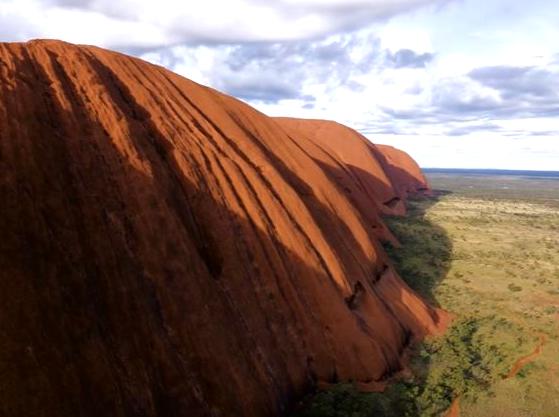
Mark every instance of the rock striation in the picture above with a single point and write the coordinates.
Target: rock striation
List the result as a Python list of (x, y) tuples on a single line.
[(167, 250)]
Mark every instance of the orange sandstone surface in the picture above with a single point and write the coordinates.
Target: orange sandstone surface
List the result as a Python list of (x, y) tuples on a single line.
[(167, 250), (403, 170)]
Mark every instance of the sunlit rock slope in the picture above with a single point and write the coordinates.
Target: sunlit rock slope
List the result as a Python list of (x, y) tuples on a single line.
[(167, 250)]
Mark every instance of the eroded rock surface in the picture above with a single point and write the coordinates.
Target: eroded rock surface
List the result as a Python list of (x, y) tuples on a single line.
[(167, 250)]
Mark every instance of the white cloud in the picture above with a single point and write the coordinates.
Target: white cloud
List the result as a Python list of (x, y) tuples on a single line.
[(482, 151), (126, 24)]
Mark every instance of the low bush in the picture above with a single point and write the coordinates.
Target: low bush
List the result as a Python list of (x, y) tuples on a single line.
[(458, 364)]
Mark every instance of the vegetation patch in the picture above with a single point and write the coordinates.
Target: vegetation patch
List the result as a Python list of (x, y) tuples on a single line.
[(458, 364)]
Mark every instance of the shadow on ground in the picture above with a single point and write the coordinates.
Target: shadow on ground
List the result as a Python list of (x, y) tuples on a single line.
[(424, 257)]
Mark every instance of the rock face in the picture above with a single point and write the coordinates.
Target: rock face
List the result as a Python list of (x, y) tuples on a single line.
[(375, 175), (167, 250), (402, 170)]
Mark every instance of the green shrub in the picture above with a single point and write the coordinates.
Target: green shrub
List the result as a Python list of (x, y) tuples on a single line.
[(456, 364), (343, 400)]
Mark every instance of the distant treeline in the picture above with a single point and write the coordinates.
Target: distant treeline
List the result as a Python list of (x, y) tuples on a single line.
[(503, 172)]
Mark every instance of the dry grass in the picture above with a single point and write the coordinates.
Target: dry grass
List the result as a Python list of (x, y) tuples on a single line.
[(503, 271)]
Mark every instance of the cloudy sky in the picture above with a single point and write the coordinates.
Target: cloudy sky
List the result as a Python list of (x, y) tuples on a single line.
[(456, 83)]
